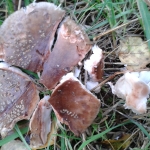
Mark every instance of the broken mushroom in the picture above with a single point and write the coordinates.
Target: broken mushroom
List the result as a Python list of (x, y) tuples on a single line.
[(70, 48), (40, 123), (91, 84), (27, 35), (18, 97), (74, 105), (133, 90), (95, 64), (40, 38)]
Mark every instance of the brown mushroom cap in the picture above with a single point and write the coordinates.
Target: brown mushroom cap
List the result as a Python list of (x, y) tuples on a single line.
[(71, 46), (74, 105), (27, 35), (18, 97), (40, 123)]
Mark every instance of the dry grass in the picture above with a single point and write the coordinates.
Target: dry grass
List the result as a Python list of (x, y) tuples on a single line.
[(106, 22)]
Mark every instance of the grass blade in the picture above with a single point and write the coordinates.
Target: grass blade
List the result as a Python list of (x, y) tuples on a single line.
[(10, 6), (26, 2), (95, 137), (141, 128), (13, 136), (21, 136), (145, 14), (63, 142)]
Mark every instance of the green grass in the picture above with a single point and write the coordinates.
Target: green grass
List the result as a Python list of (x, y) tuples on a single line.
[(97, 18), (145, 14), (9, 6), (13, 136), (21, 136)]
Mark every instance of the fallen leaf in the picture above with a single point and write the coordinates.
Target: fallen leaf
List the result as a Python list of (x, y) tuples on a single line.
[(119, 144), (134, 52)]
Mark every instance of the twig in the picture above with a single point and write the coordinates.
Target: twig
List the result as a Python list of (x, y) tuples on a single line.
[(117, 73), (3, 10), (19, 4), (112, 69), (106, 80)]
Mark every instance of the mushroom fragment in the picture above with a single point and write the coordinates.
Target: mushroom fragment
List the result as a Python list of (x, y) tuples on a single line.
[(143, 75), (40, 123), (71, 46), (91, 84), (14, 145), (27, 35), (77, 71), (18, 97), (74, 105), (95, 64), (134, 90)]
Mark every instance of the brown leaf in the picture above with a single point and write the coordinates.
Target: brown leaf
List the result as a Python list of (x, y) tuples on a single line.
[(120, 144)]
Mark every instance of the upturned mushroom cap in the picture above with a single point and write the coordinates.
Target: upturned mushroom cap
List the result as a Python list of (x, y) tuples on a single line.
[(71, 46), (95, 64), (74, 105), (18, 97), (27, 35), (133, 90), (40, 123)]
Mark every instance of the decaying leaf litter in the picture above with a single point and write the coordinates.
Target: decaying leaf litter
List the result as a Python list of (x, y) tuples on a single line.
[(116, 107)]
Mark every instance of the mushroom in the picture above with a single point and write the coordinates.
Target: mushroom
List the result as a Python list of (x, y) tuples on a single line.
[(144, 76), (18, 97), (73, 104), (70, 48), (40, 123), (77, 71), (95, 64), (133, 90), (26, 36), (91, 84), (14, 145)]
